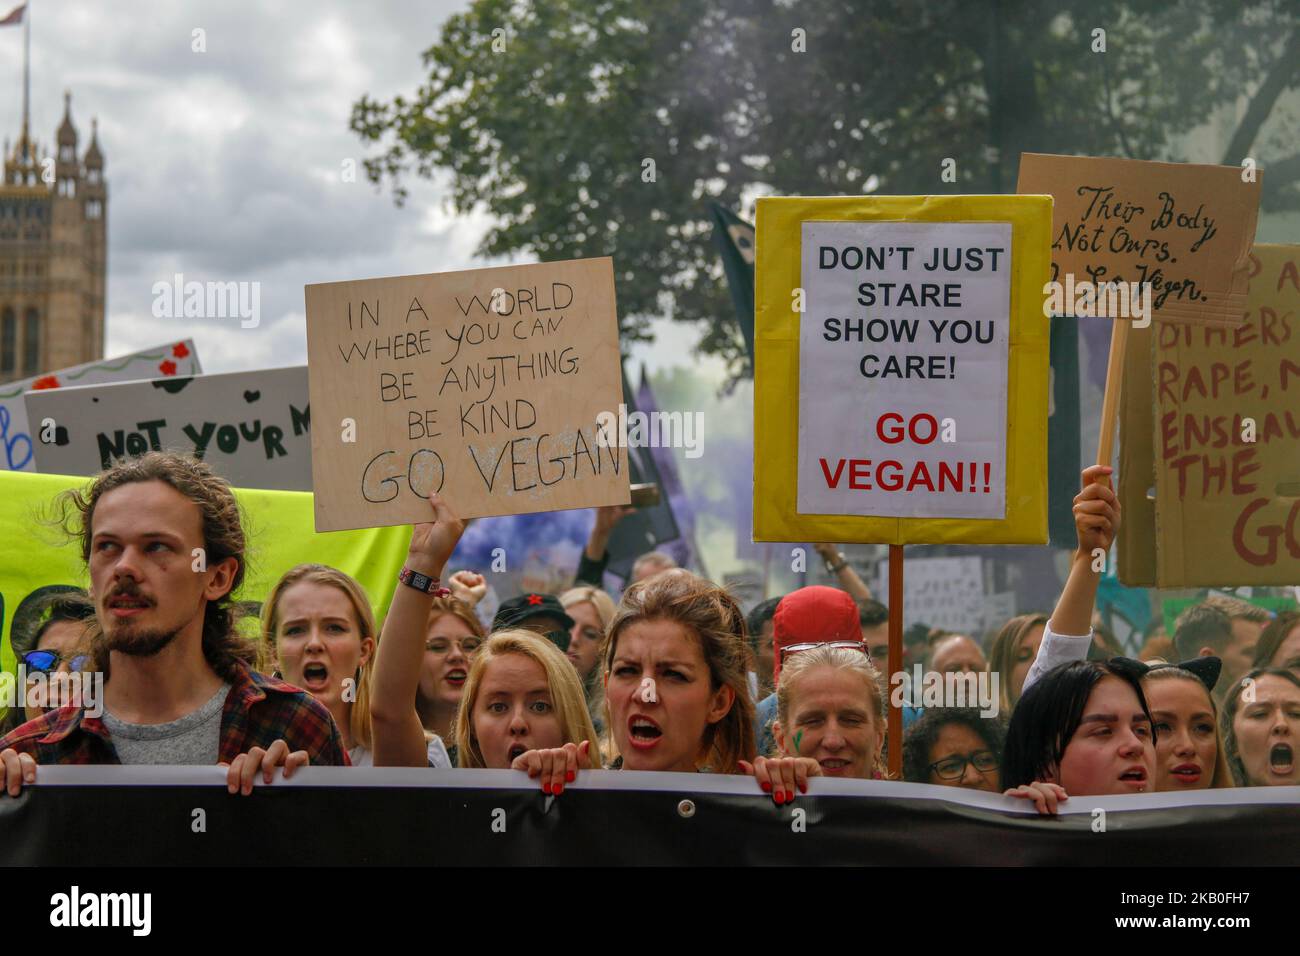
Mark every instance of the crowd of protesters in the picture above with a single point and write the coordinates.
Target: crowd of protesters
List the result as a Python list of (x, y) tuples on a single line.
[(674, 676)]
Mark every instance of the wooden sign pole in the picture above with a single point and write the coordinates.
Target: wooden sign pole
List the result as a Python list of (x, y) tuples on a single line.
[(895, 725), (1110, 401)]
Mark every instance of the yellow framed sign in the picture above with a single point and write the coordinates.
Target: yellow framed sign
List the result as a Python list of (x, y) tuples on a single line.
[(901, 369)]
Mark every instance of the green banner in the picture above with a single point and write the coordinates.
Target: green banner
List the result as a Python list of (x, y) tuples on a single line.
[(278, 525)]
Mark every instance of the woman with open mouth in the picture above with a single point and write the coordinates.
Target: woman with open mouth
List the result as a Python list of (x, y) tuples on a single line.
[(1084, 728), (318, 633), (524, 709), (676, 684), (676, 678), (520, 693), (454, 635), (830, 721), (1261, 729)]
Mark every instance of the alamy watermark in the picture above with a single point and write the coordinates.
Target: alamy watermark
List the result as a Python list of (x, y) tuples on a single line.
[(1087, 299), (179, 299), (651, 430), (75, 908), (53, 690), (924, 688)]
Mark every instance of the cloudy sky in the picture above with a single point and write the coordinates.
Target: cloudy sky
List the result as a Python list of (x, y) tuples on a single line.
[(226, 165)]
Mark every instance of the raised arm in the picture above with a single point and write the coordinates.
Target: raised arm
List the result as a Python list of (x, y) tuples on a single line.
[(398, 734), (591, 566), (1068, 634), (844, 572)]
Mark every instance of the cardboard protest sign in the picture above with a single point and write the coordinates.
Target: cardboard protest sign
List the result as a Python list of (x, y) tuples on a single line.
[(498, 388), (1227, 439), (35, 558), (1185, 229), (911, 329), (18, 441), (252, 427)]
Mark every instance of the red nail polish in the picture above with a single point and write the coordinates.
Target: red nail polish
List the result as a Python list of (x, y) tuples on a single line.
[(570, 777), (767, 786), (559, 789), (546, 788)]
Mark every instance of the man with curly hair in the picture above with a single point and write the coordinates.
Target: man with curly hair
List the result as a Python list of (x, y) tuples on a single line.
[(164, 544)]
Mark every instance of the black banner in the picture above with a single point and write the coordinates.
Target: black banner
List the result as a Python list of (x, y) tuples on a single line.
[(169, 816)]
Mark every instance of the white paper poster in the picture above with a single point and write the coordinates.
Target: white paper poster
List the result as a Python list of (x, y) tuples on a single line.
[(17, 443), (254, 428), (904, 342), (947, 593)]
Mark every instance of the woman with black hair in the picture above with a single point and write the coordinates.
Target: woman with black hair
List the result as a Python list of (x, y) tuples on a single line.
[(954, 747), (1084, 728)]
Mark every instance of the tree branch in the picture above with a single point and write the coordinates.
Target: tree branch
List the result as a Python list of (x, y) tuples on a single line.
[(1261, 104)]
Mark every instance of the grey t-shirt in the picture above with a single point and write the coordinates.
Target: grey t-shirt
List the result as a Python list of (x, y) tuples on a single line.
[(194, 739)]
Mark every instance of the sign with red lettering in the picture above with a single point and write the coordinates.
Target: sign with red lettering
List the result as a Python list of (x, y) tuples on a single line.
[(903, 369), (1227, 438)]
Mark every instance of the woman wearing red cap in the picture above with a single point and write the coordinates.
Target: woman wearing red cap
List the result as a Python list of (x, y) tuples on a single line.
[(830, 720), (827, 715)]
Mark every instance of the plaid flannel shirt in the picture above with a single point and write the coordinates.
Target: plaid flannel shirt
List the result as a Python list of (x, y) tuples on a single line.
[(259, 710)]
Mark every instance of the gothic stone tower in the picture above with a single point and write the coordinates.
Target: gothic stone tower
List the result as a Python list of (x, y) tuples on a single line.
[(53, 254)]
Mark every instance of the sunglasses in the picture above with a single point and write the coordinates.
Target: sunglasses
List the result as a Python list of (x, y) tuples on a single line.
[(560, 639), (46, 661), (796, 648)]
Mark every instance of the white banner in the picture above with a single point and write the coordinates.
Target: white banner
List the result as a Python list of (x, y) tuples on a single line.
[(252, 427), (903, 369), (17, 441)]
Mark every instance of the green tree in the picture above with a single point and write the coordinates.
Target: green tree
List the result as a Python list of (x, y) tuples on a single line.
[(604, 128)]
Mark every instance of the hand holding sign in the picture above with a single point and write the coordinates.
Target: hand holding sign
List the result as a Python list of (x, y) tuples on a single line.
[(1096, 511), (432, 542)]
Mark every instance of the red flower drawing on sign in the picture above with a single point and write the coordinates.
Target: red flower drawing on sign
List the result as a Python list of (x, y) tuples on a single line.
[(167, 368), (179, 350), (49, 381)]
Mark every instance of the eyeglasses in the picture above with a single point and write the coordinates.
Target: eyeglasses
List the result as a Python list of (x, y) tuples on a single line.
[(46, 661), (851, 645), (952, 768), (560, 639), (441, 645)]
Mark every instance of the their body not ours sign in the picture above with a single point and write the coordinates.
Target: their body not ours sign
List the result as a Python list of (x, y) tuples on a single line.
[(488, 386), (903, 369)]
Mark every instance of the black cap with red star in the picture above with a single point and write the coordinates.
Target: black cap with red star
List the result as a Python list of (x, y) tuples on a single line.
[(518, 610)]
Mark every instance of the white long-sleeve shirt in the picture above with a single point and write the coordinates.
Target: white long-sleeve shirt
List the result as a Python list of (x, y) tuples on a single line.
[(1055, 650)]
